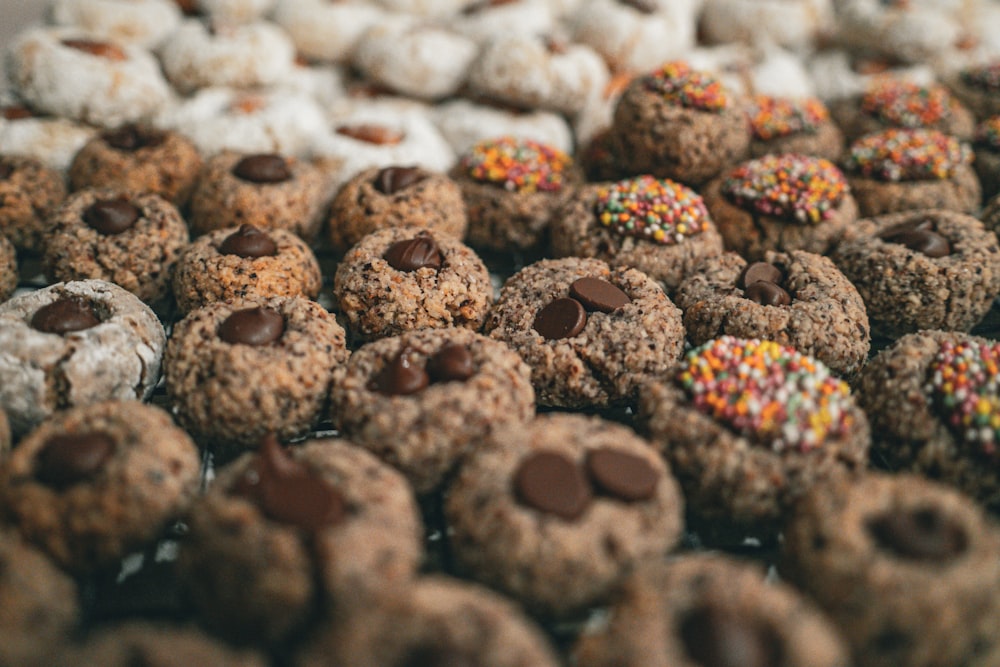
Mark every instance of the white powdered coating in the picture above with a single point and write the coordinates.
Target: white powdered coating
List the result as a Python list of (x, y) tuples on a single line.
[(521, 70), (326, 31), (64, 81), (426, 8), (218, 119), (911, 32), (54, 141), (781, 73), (531, 17), (242, 56), (747, 70), (631, 40), (835, 79), (324, 82), (143, 23), (42, 372), (235, 11), (794, 24), (421, 61), (464, 124)]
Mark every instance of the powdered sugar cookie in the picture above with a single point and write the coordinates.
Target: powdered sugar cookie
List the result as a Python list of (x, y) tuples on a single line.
[(837, 74), (53, 141), (749, 70), (63, 72), (140, 22), (485, 20), (911, 32), (796, 25), (465, 123), (427, 8), (326, 31), (235, 11)]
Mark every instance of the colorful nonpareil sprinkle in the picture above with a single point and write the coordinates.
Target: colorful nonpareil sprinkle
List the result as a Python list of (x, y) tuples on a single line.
[(795, 187), (964, 384), (772, 117), (988, 133), (518, 165), (767, 392), (660, 211), (983, 76), (680, 84), (906, 104), (907, 155)]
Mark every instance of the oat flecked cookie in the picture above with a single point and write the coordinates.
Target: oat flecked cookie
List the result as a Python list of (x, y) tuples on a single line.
[(29, 192), (8, 268)]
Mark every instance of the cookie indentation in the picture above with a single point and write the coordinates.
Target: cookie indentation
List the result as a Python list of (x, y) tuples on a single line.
[(716, 637), (249, 242), (253, 326), (263, 168), (73, 457), (518, 165), (391, 180), (795, 187), (412, 254), (553, 484), (452, 363), (400, 377), (111, 216), (647, 208), (622, 475), (923, 534), (918, 235), (64, 316), (598, 294)]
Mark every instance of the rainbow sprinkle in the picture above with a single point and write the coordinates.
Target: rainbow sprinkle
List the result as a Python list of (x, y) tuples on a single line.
[(680, 84), (519, 165), (988, 133), (767, 391), (906, 104), (964, 383), (795, 187), (660, 211), (900, 154), (983, 76), (772, 117)]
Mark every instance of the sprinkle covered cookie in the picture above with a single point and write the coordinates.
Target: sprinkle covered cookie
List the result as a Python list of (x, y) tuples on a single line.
[(793, 125)]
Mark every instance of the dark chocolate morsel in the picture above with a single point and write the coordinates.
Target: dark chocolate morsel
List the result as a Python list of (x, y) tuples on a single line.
[(922, 534), (918, 239), (289, 492), (111, 216), (253, 326), (249, 241), (716, 637), (95, 48), (16, 112), (263, 168), (759, 271), (767, 293), (553, 484), (64, 316), (622, 475), (401, 376), (451, 363), (67, 459), (393, 179), (372, 134), (131, 137), (598, 294), (412, 254), (561, 318)]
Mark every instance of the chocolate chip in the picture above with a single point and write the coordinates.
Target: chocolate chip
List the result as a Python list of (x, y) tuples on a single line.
[(391, 180), (922, 534), (67, 459), (561, 318), (767, 293), (95, 48), (759, 271), (919, 236), (597, 294), (401, 376), (622, 475), (64, 316), (131, 137), (111, 216), (551, 483), (253, 326), (289, 492), (16, 112), (372, 134), (412, 254), (263, 168), (715, 637), (248, 242), (452, 362), (643, 6)]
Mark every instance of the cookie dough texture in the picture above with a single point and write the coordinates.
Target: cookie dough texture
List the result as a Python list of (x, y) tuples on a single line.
[(656, 601), (895, 610), (230, 395), (826, 142), (430, 622), (378, 300), (826, 318), (254, 579), (204, 274), (960, 192), (499, 540), (28, 194), (149, 479), (140, 259), (614, 353), (905, 290), (424, 434), (360, 208), (41, 373), (8, 268)]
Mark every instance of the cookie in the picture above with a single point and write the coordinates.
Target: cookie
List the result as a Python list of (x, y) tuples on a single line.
[(235, 371), (909, 33), (267, 190), (657, 226), (709, 609), (589, 494), (922, 269), (244, 263), (8, 268), (234, 11), (839, 73), (129, 238), (29, 192), (793, 125), (901, 169), (464, 123), (486, 20), (140, 158), (978, 86), (905, 568), (797, 25), (798, 299), (5, 436), (144, 23), (781, 202), (987, 162), (53, 141), (421, 400), (745, 461), (73, 344), (393, 197), (325, 31), (97, 481), (285, 536)]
